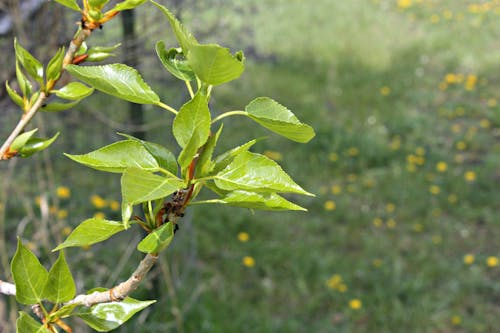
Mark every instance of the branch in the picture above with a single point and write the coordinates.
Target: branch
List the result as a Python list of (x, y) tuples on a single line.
[(7, 288), (26, 118)]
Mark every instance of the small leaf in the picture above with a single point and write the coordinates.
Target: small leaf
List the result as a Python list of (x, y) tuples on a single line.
[(214, 64), (26, 324), (158, 240), (263, 201), (226, 158), (64, 311), (128, 4), (118, 80), (100, 53), (74, 91), (34, 145), (174, 62), (69, 3), (118, 157), (184, 37), (55, 65), (256, 173), (21, 140), (140, 186), (278, 119), (56, 107), (22, 80), (91, 231), (163, 156), (105, 317), (60, 285), (30, 277), (205, 164), (193, 119), (30, 63), (16, 98)]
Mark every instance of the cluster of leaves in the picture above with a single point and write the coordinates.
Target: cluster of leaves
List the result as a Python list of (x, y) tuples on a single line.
[(150, 173)]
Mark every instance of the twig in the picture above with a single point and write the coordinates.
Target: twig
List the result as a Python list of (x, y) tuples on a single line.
[(7, 288)]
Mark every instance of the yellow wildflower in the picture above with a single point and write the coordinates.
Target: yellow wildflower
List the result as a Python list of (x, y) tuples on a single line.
[(330, 205), (355, 304), (434, 189), (470, 176), (456, 320), (441, 166), (484, 123), (390, 207), (98, 201), (333, 157), (336, 189), (403, 4), (66, 231), (62, 214), (342, 288), (353, 151), (377, 222), (492, 102), (385, 91), (274, 155), (469, 259), (460, 145), (452, 198), (435, 18), (420, 151), (243, 237), (492, 261), (248, 261), (114, 205), (418, 227), (99, 215), (334, 281), (377, 262), (63, 192), (391, 223)]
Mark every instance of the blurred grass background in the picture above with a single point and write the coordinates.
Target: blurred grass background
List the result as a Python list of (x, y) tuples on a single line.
[(402, 235)]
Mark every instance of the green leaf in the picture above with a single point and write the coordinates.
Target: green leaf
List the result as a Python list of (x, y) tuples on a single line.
[(16, 98), (128, 4), (174, 62), (30, 63), (163, 156), (226, 158), (56, 107), (34, 145), (21, 140), (64, 311), (118, 80), (118, 156), (26, 324), (22, 80), (105, 317), (91, 231), (97, 4), (205, 164), (74, 91), (252, 200), (158, 240), (214, 64), (55, 65), (141, 186), (60, 286), (29, 275), (278, 119), (100, 53), (184, 37), (256, 173), (193, 119), (69, 3)]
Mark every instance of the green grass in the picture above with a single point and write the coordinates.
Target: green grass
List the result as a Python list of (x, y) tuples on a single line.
[(367, 75)]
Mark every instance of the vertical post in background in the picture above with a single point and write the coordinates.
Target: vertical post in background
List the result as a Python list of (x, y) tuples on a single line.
[(136, 116)]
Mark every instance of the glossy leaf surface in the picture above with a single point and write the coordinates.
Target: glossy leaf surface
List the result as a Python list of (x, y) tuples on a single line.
[(60, 285), (279, 119), (91, 231), (29, 62), (214, 64), (128, 4), (55, 65), (69, 3), (158, 240), (74, 91), (56, 107), (253, 200), (34, 145), (173, 60), (14, 96), (118, 80)]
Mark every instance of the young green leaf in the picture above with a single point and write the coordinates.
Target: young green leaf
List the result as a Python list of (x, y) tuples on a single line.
[(21, 140), (118, 80), (30, 63), (30, 277), (214, 64), (158, 240), (34, 145), (69, 3), (205, 164), (140, 186), (91, 231), (118, 156), (193, 119), (278, 119), (55, 65), (173, 60), (253, 200), (257, 173), (74, 91), (226, 158), (16, 98), (64, 311), (128, 4), (22, 80), (60, 285), (163, 156), (105, 317), (26, 324), (56, 107), (184, 37)]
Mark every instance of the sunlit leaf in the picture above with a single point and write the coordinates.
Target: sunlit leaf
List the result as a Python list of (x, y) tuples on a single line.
[(60, 285), (22, 80), (21, 140), (158, 240), (34, 145), (30, 63), (118, 80), (174, 61), (91, 231), (279, 119), (30, 277), (263, 201), (16, 98), (105, 317), (214, 64), (55, 65), (69, 3), (226, 158), (257, 173), (118, 156), (56, 107), (128, 4), (26, 324), (74, 91), (205, 164)]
